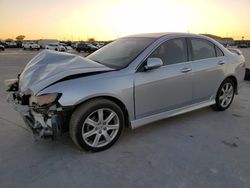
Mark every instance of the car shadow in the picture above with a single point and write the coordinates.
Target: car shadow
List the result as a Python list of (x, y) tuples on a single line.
[(154, 128)]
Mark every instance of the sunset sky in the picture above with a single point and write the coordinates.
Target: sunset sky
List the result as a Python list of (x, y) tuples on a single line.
[(109, 19)]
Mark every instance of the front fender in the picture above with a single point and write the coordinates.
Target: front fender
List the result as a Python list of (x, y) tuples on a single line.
[(78, 90)]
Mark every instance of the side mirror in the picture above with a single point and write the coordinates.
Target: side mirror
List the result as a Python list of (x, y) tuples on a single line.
[(153, 63)]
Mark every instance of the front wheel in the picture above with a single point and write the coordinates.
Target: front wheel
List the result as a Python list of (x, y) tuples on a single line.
[(225, 95), (96, 125)]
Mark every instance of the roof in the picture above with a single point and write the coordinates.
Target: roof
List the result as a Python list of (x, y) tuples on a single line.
[(159, 35), (155, 35)]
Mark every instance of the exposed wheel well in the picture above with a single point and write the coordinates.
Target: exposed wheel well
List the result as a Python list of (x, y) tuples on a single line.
[(115, 100), (233, 78)]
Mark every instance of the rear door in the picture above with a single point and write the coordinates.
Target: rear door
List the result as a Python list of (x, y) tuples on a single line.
[(168, 87), (208, 68)]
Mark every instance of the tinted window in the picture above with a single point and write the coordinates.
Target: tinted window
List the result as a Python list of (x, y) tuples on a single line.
[(172, 51), (202, 49), (219, 53), (121, 52)]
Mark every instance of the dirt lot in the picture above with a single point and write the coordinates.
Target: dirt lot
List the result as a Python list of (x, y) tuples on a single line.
[(200, 149)]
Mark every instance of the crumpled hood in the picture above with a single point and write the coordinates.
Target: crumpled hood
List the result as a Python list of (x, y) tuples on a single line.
[(49, 66)]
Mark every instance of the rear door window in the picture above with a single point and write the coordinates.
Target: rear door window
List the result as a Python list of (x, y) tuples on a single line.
[(202, 49)]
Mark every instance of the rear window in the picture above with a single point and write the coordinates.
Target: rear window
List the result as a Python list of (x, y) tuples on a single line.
[(219, 52)]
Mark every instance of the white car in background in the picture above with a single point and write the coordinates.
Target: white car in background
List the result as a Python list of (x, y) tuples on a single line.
[(56, 47), (99, 45), (67, 47), (31, 46)]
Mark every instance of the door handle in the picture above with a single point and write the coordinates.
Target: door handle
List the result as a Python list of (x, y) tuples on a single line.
[(186, 69), (221, 62)]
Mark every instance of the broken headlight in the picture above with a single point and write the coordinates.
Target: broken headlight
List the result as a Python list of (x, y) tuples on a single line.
[(44, 100), (10, 82)]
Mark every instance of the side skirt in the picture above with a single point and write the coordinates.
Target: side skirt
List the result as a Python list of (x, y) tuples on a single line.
[(163, 115)]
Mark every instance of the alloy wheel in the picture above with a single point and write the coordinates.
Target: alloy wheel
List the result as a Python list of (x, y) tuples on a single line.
[(100, 127), (226, 94)]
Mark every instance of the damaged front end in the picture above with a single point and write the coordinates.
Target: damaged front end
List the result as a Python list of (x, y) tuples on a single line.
[(43, 115)]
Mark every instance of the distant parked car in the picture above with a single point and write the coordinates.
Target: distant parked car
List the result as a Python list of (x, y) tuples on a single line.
[(31, 46), (66, 46), (19, 44), (56, 47), (86, 47), (2, 47), (242, 46), (74, 44), (11, 44), (99, 45), (69, 49), (2, 43), (44, 42)]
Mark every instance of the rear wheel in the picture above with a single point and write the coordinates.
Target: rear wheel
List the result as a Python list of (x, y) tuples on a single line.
[(225, 95), (96, 125)]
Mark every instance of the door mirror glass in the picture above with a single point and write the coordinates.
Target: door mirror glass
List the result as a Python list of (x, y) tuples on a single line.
[(153, 63)]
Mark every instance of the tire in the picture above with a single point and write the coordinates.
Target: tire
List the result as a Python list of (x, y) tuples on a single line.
[(100, 133), (225, 95), (247, 74)]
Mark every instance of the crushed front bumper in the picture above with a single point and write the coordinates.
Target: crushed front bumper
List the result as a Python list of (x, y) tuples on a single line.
[(45, 123)]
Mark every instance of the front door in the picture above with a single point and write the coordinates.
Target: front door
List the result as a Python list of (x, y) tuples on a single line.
[(168, 87)]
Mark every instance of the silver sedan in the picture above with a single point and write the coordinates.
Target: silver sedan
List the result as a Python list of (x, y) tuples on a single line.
[(132, 81)]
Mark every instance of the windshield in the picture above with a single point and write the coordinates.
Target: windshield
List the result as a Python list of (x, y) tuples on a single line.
[(121, 52)]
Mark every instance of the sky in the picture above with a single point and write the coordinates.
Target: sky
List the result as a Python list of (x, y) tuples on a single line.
[(110, 19)]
